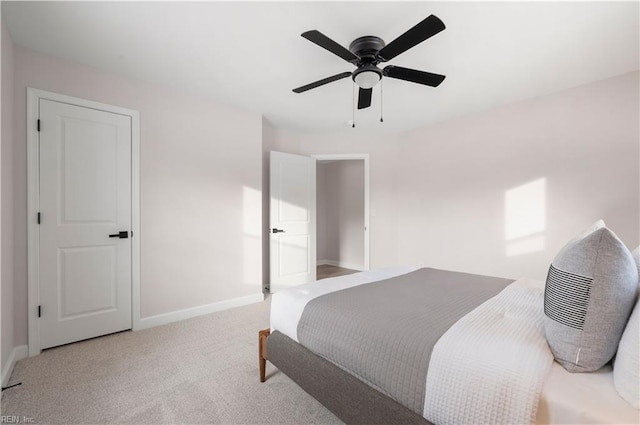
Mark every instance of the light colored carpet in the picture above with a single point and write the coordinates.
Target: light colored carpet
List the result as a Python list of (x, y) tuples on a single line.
[(201, 370)]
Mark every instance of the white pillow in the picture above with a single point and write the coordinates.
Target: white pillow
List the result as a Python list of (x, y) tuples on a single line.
[(626, 368)]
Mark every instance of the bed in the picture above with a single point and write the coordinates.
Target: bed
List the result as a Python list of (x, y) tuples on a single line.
[(476, 340)]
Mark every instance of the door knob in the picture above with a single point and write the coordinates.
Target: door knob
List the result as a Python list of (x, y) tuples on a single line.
[(122, 235), (278, 231)]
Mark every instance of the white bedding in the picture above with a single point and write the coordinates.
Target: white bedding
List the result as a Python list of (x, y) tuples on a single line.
[(583, 398), (491, 365), (566, 398)]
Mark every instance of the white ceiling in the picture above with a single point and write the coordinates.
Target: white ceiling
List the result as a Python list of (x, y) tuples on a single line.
[(251, 55)]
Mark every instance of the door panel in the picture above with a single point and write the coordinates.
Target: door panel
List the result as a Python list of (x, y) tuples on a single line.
[(294, 251), (88, 281), (293, 214), (294, 192), (85, 196), (89, 166)]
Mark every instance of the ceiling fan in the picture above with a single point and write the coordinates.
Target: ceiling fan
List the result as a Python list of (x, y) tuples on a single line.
[(368, 51)]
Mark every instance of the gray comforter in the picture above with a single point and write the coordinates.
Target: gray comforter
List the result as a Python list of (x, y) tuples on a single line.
[(383, 332)]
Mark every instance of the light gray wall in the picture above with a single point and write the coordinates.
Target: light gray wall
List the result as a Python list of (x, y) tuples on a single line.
[(341, 212), (200, 186), (350, 188), (583, 142), (6, 199), (322, 235)]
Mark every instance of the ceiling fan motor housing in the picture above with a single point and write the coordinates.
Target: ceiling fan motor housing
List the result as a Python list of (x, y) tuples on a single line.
[(367, 48)]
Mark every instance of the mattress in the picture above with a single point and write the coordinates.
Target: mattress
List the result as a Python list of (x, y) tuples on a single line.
[(566, 398)]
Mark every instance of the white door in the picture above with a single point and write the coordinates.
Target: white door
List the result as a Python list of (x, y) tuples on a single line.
[(292, 229), (85, 199)]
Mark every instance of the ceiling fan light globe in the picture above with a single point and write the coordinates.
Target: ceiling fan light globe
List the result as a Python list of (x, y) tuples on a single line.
[(366, 79)]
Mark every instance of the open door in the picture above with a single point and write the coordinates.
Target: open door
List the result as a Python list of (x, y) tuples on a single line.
[(292, 228)]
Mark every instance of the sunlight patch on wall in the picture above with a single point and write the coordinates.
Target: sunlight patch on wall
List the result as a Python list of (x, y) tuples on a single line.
[(525, 218)]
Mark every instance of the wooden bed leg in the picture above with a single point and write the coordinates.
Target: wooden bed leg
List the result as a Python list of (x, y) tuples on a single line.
[(262, 352)]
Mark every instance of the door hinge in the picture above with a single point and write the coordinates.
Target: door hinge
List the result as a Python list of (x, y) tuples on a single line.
[(38, 125), (39, 311), (38, 218)]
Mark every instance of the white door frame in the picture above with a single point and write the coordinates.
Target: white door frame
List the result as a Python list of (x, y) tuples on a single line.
[(367, 224), (33, 196)]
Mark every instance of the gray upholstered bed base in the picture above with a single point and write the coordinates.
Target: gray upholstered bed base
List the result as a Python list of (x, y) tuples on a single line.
[(347, 397)]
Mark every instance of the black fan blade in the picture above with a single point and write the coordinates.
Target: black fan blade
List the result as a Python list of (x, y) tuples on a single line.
[(413, 75), (325, 42), (322, 82), (416, 35), (364, 98)]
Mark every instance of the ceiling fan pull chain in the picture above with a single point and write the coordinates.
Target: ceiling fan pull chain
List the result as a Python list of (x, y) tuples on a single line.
[(381, 120), (353, 106)]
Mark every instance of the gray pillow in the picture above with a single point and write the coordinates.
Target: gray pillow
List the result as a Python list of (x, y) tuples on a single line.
[(588, 297)]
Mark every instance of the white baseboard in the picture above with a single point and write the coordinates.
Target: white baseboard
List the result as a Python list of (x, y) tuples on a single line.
[(342, 264), (188, 313), (18, 353)]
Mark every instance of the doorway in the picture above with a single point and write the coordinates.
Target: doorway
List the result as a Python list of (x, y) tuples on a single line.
[(342, 214), (292, 242)]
